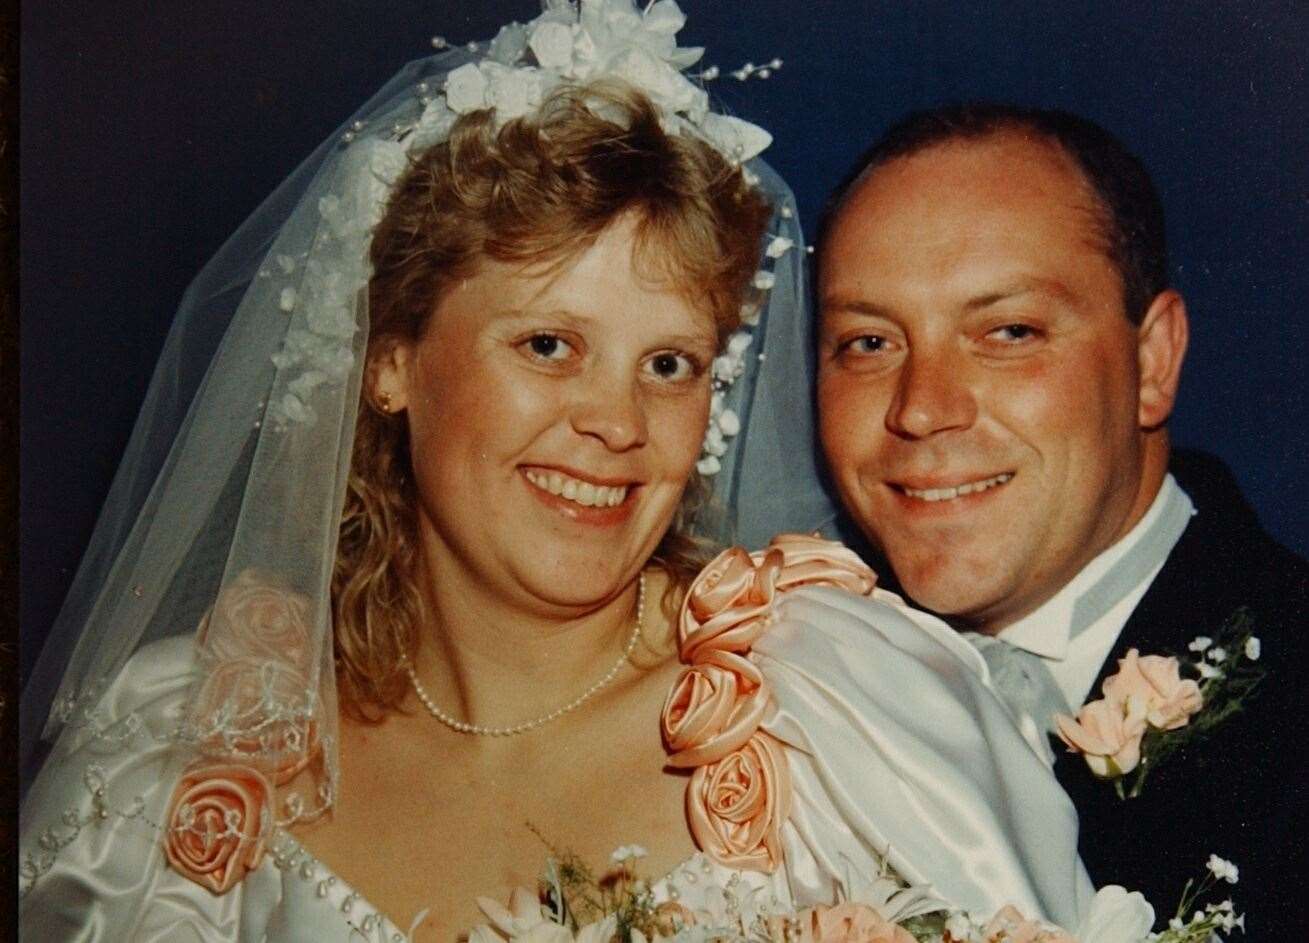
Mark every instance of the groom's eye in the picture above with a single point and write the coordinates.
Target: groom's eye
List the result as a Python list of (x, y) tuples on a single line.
[(1014, 333), (865, 344)]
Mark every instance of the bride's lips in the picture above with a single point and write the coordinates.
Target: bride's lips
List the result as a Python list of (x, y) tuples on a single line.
[(581, 496), (939, 494)]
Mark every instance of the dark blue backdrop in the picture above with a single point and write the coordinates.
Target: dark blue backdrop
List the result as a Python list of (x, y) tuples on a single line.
[(149, 131)]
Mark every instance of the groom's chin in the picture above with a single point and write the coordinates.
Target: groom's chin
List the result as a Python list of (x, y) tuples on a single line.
[(967, 590)]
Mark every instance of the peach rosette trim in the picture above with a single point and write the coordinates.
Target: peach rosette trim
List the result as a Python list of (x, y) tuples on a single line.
[(252, 711), (216, 824), (252, 722), (740, 791), (254, 705), (253, 617)]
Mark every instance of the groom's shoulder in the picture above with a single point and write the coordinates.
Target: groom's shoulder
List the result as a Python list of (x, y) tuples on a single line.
[(1226, 546), (1226, 567)]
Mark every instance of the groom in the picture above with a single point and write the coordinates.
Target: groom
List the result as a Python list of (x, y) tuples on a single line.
[(999, 353)]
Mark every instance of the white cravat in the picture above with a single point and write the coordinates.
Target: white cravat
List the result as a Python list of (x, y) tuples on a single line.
[(1075, 630)]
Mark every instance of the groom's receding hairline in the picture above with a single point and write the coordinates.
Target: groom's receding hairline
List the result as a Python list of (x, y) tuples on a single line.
[(1132, 214)]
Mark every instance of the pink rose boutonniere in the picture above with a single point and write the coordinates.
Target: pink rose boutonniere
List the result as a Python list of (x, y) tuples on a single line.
[(740, 791), (1149, 709)]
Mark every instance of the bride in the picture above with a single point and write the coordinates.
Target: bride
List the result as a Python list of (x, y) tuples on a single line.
[(492, 320)]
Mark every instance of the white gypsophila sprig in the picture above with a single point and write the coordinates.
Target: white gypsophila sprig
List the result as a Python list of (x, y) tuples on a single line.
[(1223, 869), (1204, 923)]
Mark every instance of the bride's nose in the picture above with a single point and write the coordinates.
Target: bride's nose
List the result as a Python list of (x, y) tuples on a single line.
[(611, 410)]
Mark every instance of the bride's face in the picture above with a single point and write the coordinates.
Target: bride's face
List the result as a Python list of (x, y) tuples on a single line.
[(555, 418)]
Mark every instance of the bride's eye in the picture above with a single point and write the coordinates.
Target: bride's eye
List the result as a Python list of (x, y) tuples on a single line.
[(672, 367), (550, 347)]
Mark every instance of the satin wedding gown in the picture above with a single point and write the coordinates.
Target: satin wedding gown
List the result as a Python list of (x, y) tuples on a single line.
[(898, 751)]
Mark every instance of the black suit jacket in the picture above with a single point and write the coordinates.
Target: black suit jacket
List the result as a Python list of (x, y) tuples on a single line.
[(1243, 792)]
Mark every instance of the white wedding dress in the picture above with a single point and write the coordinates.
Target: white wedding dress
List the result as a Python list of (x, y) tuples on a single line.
[(898, 751)]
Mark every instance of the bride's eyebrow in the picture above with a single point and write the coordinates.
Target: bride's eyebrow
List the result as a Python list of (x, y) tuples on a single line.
[(528, 313), (706, 340)]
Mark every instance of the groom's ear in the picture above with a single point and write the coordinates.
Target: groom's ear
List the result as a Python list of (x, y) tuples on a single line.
[(1161, 347)]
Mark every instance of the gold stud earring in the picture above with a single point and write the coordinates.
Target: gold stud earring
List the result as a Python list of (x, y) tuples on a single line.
[(384, 399)]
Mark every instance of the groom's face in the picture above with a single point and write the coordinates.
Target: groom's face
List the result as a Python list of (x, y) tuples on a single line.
[(978, 378)]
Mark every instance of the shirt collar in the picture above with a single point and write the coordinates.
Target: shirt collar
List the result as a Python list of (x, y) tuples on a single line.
[(1049, 630)]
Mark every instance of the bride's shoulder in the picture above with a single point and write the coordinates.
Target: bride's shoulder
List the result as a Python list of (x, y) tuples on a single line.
[(145, 695), (805, 585)]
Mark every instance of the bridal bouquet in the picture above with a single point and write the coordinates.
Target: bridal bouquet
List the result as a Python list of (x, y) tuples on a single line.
[(572, 905)]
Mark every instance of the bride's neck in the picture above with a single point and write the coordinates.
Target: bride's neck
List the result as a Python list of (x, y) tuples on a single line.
[(495, 658)]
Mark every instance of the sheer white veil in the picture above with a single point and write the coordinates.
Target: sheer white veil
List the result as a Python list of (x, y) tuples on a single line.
[(221, 523)]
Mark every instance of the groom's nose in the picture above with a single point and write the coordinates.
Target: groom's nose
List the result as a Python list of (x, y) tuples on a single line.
[(931, 395)]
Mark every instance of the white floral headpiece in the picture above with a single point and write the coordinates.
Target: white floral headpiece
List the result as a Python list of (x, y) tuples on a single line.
[(568, 43), (594, 39)]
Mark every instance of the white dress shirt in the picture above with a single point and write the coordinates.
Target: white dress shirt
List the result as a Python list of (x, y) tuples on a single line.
[(1075, 630)]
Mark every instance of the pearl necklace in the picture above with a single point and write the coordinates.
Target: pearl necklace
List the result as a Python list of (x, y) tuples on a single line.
[(480, 731)]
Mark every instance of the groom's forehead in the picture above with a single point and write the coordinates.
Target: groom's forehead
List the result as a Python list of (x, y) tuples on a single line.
[(973, 174), (1003, 206)]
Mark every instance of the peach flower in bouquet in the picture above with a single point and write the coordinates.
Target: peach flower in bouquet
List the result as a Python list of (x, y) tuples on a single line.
[(843, 923)]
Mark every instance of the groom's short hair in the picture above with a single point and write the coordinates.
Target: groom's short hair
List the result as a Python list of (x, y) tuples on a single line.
[(1131, 220)]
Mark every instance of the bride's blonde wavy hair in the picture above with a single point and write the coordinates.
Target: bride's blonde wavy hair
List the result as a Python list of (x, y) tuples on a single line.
[(540, 189)]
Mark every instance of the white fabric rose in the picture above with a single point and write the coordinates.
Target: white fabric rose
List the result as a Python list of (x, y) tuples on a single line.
[(667, 87), (511, 92), (434, 125), (465, 89), (509, 44), (552, 44)]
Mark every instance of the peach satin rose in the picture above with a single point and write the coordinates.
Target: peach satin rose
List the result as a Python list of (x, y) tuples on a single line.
[(727, 606), (740, 792), (808, 560), (713, 709), (1157, 681), (1107, 733), (736, 806), (216, 823), (252, 617), (254, 711)]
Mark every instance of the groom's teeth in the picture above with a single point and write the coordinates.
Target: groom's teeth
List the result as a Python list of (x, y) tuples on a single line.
[(580, 492), (946, 494)]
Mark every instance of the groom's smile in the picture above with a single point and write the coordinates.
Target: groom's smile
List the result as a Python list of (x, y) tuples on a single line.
[(933, 493), (978, 376)]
